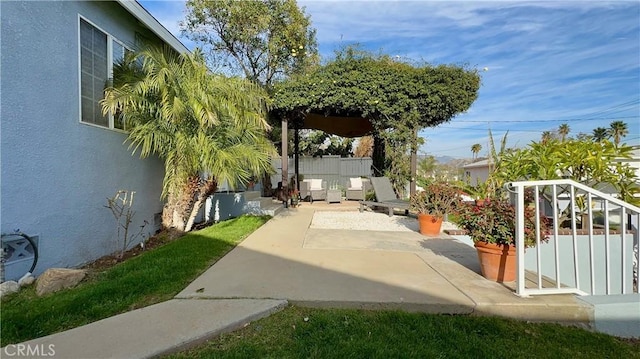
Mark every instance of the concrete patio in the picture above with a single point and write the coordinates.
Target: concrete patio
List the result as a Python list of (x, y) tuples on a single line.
[(286, 259)]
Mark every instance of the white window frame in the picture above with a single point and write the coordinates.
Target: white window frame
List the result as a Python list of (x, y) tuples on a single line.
[(110, 40)]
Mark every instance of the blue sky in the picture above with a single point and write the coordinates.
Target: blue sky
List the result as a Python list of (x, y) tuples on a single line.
[(547, 62)]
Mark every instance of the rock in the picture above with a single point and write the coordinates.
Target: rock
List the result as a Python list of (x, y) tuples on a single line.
[(8, 287), (26, 280), (55, 279)]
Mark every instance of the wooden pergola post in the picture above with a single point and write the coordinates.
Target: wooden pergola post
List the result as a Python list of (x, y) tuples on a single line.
[(414, 163), (285, 159), (378, 155)]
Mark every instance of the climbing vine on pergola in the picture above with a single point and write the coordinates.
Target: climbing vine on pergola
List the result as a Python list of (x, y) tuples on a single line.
[(397, 98)]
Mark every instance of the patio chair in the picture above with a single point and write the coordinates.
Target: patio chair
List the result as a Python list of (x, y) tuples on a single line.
[(313, 189), (358, 188), (385, 196)]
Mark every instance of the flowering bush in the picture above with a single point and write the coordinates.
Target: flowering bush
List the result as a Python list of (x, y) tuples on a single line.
[(495, 222), (437, 199)]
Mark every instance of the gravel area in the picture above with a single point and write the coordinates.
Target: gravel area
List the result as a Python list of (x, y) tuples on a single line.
[(367, 221)]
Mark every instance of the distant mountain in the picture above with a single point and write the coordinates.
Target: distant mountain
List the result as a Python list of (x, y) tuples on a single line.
[(444, 159), (450, 161), (459, 162)]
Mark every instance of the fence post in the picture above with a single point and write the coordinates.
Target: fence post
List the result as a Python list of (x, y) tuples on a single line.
[(520, 242)]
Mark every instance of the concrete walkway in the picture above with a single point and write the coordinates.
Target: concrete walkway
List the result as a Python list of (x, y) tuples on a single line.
[(285, 261)]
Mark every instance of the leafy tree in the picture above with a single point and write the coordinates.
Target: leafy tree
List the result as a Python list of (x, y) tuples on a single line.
[(207, 128), (365, 147), (398, 98), (600, 134), (475, 149), (563, 131), (318, 143), (266, 40), (617, 130)]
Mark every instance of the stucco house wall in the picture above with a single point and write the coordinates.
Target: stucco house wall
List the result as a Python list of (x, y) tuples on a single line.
[(477, 172), (56, 170)]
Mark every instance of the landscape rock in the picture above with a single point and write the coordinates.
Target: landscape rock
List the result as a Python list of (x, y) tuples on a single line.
[(26, 280), (55, 279), (8, 287)]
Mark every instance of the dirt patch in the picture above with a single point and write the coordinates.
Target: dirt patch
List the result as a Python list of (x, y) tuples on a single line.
[(103, 263)]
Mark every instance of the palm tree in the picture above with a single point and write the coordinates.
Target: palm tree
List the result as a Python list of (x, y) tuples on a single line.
[(546, 136), (600, 134), (427, 167), (476, 149), (617, 130), (207, 128), (563, 131)]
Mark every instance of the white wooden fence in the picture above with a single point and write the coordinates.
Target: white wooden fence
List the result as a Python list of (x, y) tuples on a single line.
[(335, 170)]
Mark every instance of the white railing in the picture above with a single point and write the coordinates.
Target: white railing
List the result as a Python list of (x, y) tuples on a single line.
[(599, 258)]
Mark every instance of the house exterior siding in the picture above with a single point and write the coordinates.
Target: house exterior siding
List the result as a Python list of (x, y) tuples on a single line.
[(57, 172), (477, 172)]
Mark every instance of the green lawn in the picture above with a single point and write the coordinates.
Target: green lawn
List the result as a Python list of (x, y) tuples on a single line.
[(331, 333), (149, 278)]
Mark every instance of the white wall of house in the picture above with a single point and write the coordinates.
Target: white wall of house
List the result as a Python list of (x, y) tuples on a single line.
[(56, 170), (477, 172)]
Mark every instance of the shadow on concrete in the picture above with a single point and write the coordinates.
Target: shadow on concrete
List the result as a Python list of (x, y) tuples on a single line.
[(441, 276)]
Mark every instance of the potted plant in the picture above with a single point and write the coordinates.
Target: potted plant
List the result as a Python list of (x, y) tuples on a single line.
[(437, 199), (492, 227), (294, 196)]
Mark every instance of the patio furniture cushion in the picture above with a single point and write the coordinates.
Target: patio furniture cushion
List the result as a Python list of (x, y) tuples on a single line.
[(355, 183), (316, 184)]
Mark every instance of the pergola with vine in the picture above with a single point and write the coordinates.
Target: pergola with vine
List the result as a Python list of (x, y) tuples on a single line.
[(359, 94)]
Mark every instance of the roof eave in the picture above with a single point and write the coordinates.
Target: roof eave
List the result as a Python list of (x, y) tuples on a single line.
[(152, 23)]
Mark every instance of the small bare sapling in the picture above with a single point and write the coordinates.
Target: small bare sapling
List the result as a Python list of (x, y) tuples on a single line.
[(121, 206)]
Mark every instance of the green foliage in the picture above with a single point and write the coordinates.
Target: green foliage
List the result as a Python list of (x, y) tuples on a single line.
[(563, 131), (495, 222), (475, 149), (437, 199), (149, 278), (479, 191), (600, 134), (426, 168), (591, 163), (319, 143), (397, 97), (207, 128), (265, 40), (386, 91), (343, 333), (494, 185), (617, 130)]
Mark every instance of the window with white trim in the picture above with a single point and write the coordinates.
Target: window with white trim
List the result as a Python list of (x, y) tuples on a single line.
[(99, 52)]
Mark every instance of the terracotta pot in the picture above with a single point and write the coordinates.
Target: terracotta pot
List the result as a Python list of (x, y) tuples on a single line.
[(429, 225), (498, 263)]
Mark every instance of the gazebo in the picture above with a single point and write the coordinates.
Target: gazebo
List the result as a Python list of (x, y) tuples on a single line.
[(360, 94)]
